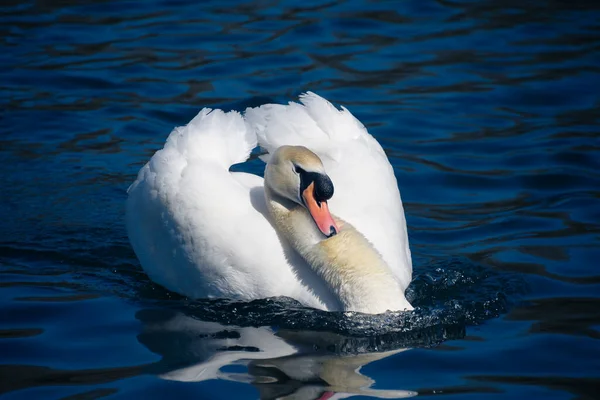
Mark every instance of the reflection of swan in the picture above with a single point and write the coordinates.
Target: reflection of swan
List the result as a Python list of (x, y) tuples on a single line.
[(283, 365), (205, 232)]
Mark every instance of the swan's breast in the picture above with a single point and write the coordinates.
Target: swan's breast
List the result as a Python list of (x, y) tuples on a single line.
[(352, 254)]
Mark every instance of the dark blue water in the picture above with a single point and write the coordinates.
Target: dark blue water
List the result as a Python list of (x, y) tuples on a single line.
[(488, 110)]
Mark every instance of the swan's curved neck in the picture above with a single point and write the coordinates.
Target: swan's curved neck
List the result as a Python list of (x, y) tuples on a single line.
[(347, 262)]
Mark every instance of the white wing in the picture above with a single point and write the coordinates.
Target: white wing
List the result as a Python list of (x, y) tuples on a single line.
[(366, 191), (202, 231)]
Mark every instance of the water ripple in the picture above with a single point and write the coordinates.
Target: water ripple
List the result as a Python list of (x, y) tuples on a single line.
[(488, 112)]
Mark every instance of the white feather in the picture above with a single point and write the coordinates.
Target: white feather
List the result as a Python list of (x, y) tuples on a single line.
[(366, 191), (203, 231)]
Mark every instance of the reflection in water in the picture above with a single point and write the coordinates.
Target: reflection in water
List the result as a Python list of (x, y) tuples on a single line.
[(281, 364)]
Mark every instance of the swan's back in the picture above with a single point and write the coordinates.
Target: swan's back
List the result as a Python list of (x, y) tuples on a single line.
[(366, 191)]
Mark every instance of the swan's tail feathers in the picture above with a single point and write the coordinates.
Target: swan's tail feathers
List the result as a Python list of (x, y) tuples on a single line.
[(213, 135), (314, 123)]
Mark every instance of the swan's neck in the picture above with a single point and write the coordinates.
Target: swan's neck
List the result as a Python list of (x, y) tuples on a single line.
[(347, 262)]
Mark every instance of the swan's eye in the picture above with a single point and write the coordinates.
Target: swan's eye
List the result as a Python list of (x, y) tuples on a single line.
[(298, 169)]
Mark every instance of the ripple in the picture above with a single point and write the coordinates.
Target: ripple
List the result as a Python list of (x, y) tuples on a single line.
[(448, 299), (28, 376)]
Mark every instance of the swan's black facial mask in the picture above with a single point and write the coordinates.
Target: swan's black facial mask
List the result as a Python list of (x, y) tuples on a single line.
[(323, 186), (315, 190)]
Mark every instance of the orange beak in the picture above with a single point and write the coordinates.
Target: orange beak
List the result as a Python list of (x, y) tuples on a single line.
[(319, 212)]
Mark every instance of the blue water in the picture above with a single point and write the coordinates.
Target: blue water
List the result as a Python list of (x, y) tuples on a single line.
[(488, 110)]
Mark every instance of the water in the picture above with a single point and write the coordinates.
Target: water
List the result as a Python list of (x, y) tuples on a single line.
[(489, 112)]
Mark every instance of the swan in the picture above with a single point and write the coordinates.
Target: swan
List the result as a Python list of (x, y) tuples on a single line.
[(325, 226)]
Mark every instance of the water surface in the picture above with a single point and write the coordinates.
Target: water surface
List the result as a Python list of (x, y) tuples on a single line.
[(488, 111)]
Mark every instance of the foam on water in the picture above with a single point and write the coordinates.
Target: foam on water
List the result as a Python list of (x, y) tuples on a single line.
[(447, 297)]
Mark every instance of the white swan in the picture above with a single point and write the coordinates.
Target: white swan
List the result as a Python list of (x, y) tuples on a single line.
[(203, 231)]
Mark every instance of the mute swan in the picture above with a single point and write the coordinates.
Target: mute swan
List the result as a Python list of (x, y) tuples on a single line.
[(203, 231)]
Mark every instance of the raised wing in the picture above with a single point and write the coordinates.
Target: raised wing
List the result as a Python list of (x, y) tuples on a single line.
[(366, 190)]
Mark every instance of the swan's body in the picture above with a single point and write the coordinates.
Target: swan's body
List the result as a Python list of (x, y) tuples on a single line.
[(203, 231)]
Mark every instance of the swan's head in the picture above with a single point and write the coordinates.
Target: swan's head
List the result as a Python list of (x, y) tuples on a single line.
[(297, 174)]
